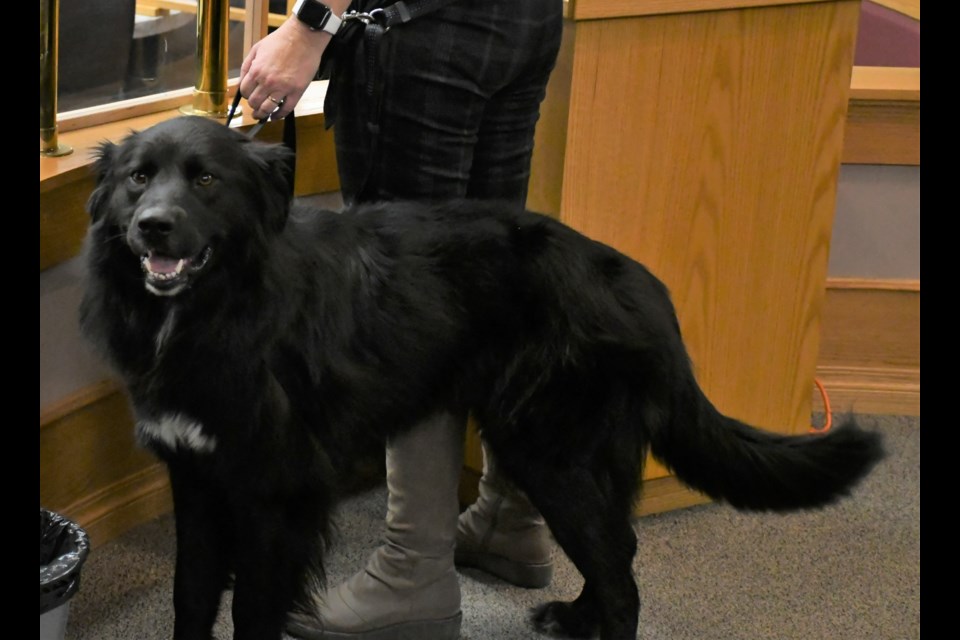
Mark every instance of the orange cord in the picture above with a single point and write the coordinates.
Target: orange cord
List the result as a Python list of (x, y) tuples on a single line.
[(826, 408)]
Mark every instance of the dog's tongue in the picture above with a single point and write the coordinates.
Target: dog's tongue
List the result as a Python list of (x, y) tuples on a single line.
[(161, 264)]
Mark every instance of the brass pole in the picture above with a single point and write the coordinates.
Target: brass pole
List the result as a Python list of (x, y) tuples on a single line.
[(49, 38), (210, 89)]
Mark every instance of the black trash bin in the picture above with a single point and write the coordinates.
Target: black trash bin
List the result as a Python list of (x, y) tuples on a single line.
[(63, 549)]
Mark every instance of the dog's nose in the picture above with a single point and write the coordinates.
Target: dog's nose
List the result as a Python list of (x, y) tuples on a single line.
[(157, 221)]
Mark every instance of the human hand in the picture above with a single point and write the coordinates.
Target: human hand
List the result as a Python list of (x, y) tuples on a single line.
[(279, 68)]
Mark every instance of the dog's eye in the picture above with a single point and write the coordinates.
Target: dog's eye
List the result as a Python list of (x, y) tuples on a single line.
[(205, 179), (138, 177)]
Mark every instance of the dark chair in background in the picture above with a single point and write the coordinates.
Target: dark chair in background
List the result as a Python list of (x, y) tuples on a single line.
[(108, 53), (95, 40)]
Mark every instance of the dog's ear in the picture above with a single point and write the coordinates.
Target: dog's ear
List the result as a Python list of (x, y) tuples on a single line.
[(275, 169), (103, 164)]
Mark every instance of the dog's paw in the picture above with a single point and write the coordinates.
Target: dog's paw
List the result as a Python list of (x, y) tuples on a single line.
[(563, 619)]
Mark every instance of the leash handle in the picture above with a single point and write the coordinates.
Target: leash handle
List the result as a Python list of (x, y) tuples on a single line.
[(256, 128)]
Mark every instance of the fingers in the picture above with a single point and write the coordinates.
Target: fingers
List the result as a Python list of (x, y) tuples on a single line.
[(277, 108), (267, 98), (262, 100), (274, 104), (272, 107)]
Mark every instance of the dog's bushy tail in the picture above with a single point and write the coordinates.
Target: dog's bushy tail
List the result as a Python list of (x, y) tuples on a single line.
[(754, 469)]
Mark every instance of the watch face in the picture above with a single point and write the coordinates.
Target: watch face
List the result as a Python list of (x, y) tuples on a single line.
[(313, 13)]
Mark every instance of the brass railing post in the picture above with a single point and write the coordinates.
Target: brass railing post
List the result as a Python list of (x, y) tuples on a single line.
[(210, 89), (49, 38)]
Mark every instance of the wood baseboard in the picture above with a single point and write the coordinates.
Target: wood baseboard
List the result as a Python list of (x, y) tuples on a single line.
[(127, 503), (885, 391), (870, 346), (91, 469)]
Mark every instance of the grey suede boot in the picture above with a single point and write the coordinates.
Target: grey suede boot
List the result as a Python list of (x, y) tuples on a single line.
[(409, 589), (503, 534)]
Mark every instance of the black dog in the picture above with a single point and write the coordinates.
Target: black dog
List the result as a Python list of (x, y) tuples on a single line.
[(262, 341)]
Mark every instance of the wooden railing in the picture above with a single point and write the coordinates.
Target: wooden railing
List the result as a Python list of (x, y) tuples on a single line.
[(164, 7)]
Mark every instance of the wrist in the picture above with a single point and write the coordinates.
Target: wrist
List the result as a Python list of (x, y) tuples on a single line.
[(302, 36), (294, 24)]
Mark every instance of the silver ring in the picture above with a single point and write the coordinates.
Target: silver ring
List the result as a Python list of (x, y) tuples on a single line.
[(275, 101)]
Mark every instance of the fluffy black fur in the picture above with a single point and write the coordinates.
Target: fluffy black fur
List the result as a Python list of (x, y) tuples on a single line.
[(289, 336)]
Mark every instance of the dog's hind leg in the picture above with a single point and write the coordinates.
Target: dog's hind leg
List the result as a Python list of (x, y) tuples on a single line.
[(203, 552), (592, 526)]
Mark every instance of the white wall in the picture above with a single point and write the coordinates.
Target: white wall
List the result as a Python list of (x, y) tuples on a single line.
[(876, 228), (67, 364)]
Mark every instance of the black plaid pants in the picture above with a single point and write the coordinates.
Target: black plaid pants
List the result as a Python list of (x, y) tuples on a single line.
[(460, 93)]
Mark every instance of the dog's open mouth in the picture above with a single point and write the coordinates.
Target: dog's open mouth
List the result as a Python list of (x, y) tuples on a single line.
[(166, 276)]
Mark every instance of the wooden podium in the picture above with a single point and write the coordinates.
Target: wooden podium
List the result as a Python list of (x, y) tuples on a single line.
[(703, 138)]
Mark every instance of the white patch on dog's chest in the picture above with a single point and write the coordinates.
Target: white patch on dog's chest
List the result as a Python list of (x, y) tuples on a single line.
[(173, 431)]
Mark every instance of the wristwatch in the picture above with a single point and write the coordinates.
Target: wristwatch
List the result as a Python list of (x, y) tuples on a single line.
[(317, 16)]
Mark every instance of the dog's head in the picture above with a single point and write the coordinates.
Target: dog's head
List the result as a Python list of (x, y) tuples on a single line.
[(185, 195)]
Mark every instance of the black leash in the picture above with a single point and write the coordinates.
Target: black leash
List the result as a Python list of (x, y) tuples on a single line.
[(376, 23)]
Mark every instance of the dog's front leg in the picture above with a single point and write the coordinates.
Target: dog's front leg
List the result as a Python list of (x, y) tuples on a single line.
[(273, 553), (204, 541)]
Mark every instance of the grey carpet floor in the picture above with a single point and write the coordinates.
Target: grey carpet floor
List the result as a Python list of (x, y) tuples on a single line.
[(847, 572)]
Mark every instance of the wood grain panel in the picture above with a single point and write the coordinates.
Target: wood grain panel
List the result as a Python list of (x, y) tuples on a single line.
[(550, 141), (883, 120), (316, 158), (872, 325), (592, 9), (707, 146), (63, 221), (87, 448), (882, 132)]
